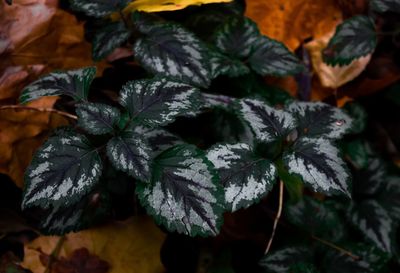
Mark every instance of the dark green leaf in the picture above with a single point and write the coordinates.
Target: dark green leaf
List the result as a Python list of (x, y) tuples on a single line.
[(374, 222), (173, 51), (63, 170), (315, 217), (109, 38), (159, 101), (73, 83), (385, 5), (97, 118), (270, 57), (303, 268), (267, 123), (281, 260), (223, 65), (370, 181), (159, 139), (246, 177), (371, 260), (359, 116), (317, 119), (130, 152), (98, 8), (318, 162), (184, 194), (236, 37), (389, 197), (356, 152), (354, 38)]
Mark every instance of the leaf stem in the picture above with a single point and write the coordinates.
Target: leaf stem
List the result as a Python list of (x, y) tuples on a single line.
[(277, 217), (338, 248), (39, 109), (54, 254)]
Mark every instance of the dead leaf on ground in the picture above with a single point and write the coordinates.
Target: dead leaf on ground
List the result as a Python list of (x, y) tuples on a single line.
[(293, 21), (132, 246), (167, 5)]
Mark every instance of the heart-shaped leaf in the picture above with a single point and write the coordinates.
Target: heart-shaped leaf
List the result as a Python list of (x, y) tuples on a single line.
[(97, 118)]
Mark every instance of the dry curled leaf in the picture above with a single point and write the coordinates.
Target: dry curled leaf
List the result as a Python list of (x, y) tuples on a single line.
[(132, 246), (166, 5), (293, 21)]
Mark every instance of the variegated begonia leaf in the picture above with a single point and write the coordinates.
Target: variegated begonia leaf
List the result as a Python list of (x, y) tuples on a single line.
[(389, 197), (224, 65), (283, 259), (236, 37), (385, 5), (159, 139), (317, 162), (315, 217), (159, 101), (130, 152), (59, 220), (184, 194), (97, 118), (108, 38), (371, 260), (372, 220), (316, 119), (267, 123), (62, 171), (72, 83), (354, 38), (246, 177), (98, 8), (270, 57), (370, 180), (171, 50)]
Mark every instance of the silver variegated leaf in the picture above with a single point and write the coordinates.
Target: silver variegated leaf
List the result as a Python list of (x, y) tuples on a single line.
[(184, 194), (267, 123), (281, 260), (374, 222), (389, 198), (270, 57), (318, 163), (73, 83), (315, 217), (108, 38), (354, 38), (236, 37), (246, 177), (223, 65), (98, 8), (317, 119), (173, 51), (385, 5), (97, 118), (371, 180), (63, 170), (159, 101), (159, 139), (130, 152)]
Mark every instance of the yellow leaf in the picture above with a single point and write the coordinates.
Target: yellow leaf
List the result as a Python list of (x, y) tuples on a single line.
[(166, 5), (132, 246)]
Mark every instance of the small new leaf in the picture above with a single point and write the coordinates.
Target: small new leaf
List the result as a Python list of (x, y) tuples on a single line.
[(109, 38), (317, 161), (354, 38), (98, 8), (236, 37), (159, 101), (97, 118), (64, 169), (282, 260), (73, 83), (129, 152), (317, 119), (173, 51), (246, 177), (270, 57), (385, 5), (374, 222), (267, 123), (184, 194)]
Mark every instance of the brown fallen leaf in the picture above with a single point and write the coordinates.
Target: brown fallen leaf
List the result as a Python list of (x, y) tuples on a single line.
[(333, 76), (132, 246), (22, 131), (293, 21)]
